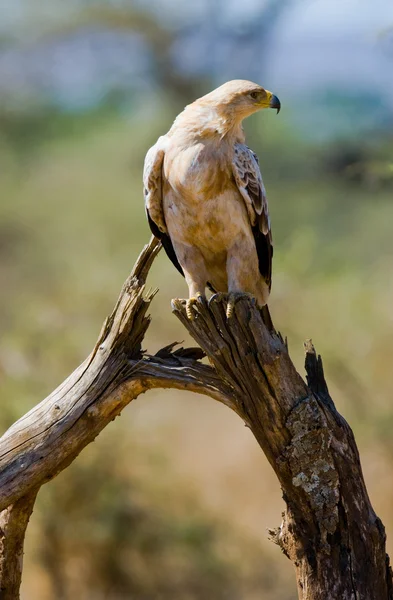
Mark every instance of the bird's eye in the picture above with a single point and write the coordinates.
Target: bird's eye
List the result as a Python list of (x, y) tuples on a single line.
[(254, 95)]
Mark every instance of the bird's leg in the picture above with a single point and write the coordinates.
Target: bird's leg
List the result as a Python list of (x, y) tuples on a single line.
[(244, 278), (196, 289), (195, 295), (194, 270)]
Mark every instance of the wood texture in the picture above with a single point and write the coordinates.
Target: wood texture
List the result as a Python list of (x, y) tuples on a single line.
[(13, 523), (329, 529), (50, 436)]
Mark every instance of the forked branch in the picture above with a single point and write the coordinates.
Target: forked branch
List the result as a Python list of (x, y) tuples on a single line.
[(329, 529)]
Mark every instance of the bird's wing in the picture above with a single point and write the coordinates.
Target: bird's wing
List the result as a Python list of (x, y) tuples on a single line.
[(249, 182), (152, 189)]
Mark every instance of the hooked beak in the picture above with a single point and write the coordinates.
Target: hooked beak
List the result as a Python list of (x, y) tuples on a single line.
[(275, 103)]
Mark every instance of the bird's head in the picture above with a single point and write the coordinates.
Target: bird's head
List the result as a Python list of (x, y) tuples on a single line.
[(239, 98)]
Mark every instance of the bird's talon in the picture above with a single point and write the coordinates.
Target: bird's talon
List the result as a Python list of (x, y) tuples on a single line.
[(189, 312), (201, 300), (233, 297), (191, 302), (217, 297), (230, 308)]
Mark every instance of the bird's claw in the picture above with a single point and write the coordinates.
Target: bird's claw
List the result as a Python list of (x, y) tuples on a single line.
[(191, 302), (233, 297), (217, 297)]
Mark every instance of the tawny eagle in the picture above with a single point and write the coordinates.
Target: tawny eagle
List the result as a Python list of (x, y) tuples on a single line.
[(205, 198)]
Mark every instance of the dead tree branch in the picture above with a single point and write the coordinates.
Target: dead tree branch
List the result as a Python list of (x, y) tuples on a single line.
[(51, 435), (329, 530), (13, 523)]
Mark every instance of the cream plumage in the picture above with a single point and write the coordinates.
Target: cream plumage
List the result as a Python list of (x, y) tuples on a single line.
[(205, 198)]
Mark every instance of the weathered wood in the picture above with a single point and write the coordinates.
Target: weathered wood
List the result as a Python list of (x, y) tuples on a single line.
[(329, 530), (50, 436), (13, 523)]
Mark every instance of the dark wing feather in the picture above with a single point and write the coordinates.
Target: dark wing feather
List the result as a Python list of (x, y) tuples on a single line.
[(264, 248), (249, 182), (165, 241)]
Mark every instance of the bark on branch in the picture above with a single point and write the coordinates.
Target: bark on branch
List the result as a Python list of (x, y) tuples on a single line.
[(329, 530), (13, 523)]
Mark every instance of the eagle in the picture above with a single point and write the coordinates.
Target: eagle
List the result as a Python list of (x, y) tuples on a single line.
[(205, 198)]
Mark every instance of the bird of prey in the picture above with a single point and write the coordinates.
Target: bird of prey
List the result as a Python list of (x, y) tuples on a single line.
[(205, 199)]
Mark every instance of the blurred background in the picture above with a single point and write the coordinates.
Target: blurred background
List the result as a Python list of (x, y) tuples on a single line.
[(173, 499)]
